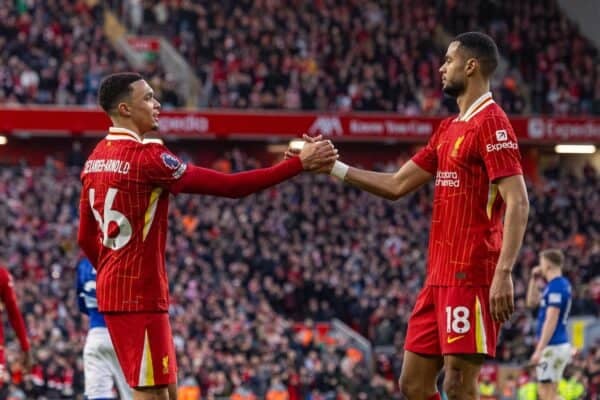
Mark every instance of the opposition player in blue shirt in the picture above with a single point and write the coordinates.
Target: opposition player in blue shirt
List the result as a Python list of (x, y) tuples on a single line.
[(101, 368), (553, 350)]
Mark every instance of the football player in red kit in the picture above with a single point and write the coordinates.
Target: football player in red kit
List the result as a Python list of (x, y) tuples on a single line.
[(474, 161), (9, 300), (123, 225)]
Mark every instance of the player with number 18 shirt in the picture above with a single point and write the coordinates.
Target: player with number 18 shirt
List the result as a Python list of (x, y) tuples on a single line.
[(466, 156)]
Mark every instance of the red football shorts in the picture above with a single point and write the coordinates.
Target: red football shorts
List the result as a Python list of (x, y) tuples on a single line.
[(452, 320), (144, 347)]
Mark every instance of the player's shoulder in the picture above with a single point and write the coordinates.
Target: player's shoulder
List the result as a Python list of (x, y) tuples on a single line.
[(559, 284), (491, 113), (445, 123), (159, 153)]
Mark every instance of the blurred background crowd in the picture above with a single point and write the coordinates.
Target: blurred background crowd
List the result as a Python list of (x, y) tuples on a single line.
[(252, 279), (256, 282), (321, 55)]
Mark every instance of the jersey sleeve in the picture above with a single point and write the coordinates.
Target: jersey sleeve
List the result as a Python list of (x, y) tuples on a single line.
[(88, 234), (10, 302), (161, 167), (556, 295), (426, 158), (80, 283), (499, 148)]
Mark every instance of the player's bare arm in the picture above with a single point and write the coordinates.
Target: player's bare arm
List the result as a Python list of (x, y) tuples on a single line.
[(533, 292), (513, 191), (390, 186), (550, 322)]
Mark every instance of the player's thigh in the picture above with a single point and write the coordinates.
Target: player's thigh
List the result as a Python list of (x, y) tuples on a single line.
[(172, 391), (461, 374), (98, 380), (168, 392), (420, 372), (553, 362), (464, 320), (151, 393)]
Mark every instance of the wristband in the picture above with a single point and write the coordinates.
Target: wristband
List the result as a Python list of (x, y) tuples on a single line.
[(297, 145), (339, 170)]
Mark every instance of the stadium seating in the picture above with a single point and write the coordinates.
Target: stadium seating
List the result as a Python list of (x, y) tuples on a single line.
[(243, 271), (316, 55)]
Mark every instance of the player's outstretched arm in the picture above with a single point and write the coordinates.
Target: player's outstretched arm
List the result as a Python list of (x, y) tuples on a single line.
[(513, 191), (391, 186), (207, 181)]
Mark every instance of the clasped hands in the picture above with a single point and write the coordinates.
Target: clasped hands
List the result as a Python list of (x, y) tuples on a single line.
[(317, 155)]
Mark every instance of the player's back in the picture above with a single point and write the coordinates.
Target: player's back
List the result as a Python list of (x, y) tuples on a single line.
[(124, 183)]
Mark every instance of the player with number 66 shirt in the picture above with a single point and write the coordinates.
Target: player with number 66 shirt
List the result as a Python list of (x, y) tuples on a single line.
[(123, 225)]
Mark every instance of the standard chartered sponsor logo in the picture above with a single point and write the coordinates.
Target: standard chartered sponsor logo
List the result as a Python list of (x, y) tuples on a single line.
[(447, 179), (501, 146)]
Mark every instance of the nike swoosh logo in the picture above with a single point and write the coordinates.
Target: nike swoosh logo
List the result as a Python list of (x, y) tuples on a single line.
[(454, 339)]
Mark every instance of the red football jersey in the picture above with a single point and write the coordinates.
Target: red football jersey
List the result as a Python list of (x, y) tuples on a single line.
[(466, 155), (123, 210)]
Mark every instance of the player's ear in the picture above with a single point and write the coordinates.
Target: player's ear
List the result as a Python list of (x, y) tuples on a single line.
[(471, 66), (123, 109)]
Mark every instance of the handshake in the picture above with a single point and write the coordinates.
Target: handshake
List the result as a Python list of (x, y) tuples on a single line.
[(316, 155)]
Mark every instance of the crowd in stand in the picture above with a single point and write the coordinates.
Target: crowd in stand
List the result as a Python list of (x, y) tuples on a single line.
[(543, 45), (55, 52), (322, 55), (243, 271)]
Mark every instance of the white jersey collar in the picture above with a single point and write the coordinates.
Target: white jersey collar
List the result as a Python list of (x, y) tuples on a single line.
[(115, 133), (478, 105)]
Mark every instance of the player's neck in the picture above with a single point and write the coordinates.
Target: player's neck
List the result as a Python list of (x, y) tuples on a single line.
[(553, 274), (127, 124), (471, 95)]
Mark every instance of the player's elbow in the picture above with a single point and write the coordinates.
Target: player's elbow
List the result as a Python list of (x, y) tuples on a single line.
[(397, 190), (391, 195), (401, 191)]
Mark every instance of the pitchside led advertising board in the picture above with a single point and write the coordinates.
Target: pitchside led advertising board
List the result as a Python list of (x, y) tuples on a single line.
[(281, 124)]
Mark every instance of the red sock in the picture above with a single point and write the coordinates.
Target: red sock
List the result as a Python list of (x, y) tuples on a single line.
[(435, 397)]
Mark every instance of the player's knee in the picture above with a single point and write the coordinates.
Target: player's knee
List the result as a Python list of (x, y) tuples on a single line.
[(455, 386), (410, 388)]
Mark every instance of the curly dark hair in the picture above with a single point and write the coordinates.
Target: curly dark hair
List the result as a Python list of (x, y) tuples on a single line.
[(482, 47), (114, 88)]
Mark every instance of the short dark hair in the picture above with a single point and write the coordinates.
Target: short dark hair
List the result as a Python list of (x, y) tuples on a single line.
[(114, 88), (554, 256), (482, 47)]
